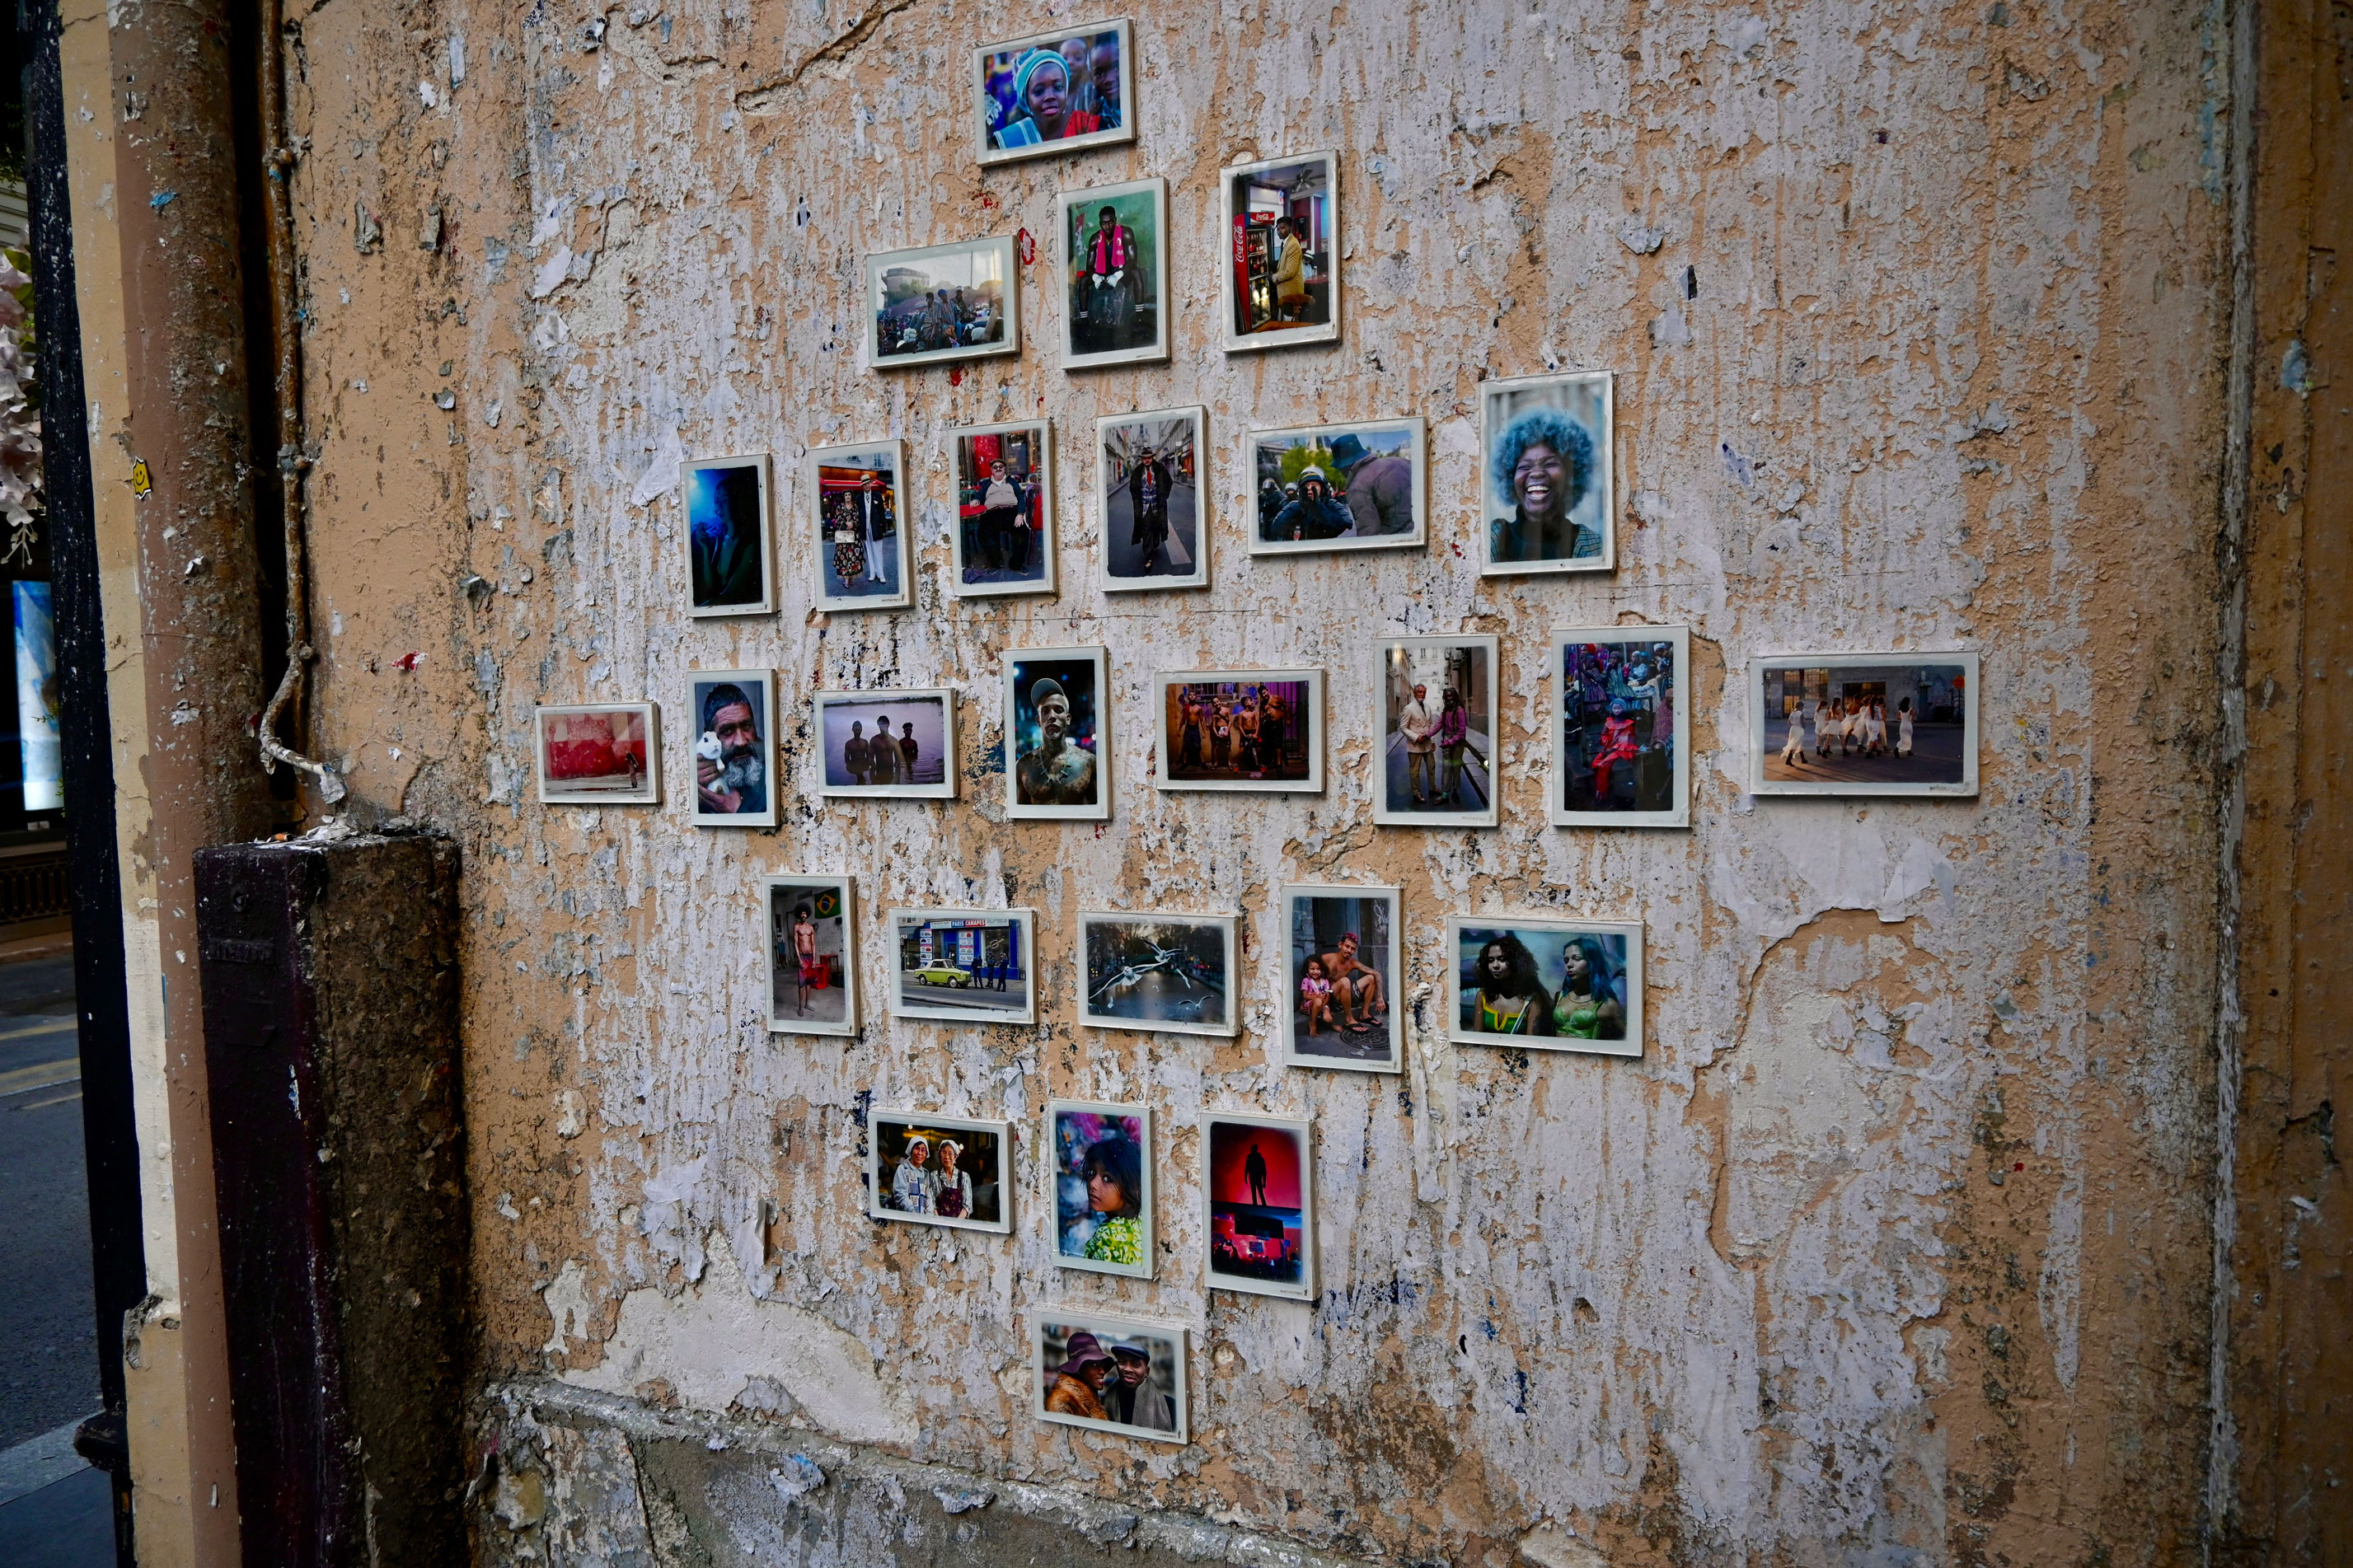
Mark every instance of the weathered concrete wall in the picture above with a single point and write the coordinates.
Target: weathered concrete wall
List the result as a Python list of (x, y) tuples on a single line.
[(1893, 1246)]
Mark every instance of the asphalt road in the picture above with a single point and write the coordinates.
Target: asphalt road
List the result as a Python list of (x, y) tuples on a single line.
[(46, 1306), (1935, 759), (1124, 559), (977, 999), (1472, 789)]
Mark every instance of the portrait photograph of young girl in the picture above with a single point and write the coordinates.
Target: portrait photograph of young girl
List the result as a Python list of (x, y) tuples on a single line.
[(1547, 984), (1101, 1174)]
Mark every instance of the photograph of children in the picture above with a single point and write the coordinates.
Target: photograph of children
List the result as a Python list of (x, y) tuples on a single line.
[(598, 754), (1112, 1375), (1282, 272), (1338, 487), (1170, 973), (856, 503), (1437, 725), (735, 747), (1241, 729), (1102, 1186), (969, 965), (1115, 280), (1257, 1188), (1154, 513), (1861, 724), (1004, 542), (1341, 964), (812, 956), (727, 536), (1621, 735), (1056, 732), (892, 744), (943, 303), (937, 1170), (1056, 93), (1549, 480), (1547, 984)]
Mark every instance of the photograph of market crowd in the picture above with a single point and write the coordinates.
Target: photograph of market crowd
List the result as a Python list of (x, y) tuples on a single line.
[(1245, 732), (1865, 724), (1617, 726), (941, 303)]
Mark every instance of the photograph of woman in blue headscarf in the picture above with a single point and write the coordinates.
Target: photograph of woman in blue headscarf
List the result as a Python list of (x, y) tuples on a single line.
[(1054, 92)]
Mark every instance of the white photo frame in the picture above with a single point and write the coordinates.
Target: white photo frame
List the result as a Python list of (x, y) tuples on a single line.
[(1052, 1325), (1419, 660), (1366, 450), (971, 573), (1250, 251), (1943, 760), (1579, 738), (1468, 1012), (1185, 752), (715, 562), (897, 325), (1191, 976), (844, 719), (1586, 404), (1316, 921), (760, 686), (991, 59), (1036, 792), (985, 1150), (1068, 1158), (1242, 1254), (843, 511), (1131, 434), (783, 897), (1132, 199), (955, 974), (569, 782)]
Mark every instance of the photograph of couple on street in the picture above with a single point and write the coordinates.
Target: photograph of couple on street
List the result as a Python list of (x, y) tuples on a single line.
[(1438, 726)]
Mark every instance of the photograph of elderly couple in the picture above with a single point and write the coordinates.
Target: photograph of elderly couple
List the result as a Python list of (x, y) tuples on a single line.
[(1619, 752), (856, 506), (1257, 1193), (734, 748), (937, 1170), (1437, 727), (1338, 487), (1055, 733), (1550, 985), (1341, 978), (1102, 1186), (941, 302), (1152, 506), (1055, 92), (812, 956), (1241, 729), (897, 745), (1112, 1375), (1170, 973), (1865, 724), (1004, 539)]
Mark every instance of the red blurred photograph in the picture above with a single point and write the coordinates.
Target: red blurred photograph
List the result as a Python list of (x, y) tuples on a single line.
[(1258, 1188), (598, 754)]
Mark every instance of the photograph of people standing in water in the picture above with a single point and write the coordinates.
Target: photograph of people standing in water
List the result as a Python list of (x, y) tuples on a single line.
[(1102, 1179), (1547, 984), (1151, 499), (1168, 972), (1437, 722), (1241, 729), (1621, 735)]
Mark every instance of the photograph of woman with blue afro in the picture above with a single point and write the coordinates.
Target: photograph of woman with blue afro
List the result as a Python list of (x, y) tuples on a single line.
[(1549, 480)]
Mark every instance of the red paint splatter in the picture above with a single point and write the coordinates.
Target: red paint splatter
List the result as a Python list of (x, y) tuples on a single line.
[(408, 662), (987, 200), (1027, 248), (956, 376), (2019, 1166)]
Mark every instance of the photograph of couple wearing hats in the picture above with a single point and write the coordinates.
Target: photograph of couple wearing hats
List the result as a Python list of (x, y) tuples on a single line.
[(1338, 487), (937, 1170), (1112, 1375)]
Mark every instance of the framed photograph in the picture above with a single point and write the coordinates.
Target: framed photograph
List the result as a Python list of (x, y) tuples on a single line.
[(1054, 92), (1111, 1374), (597, 753), (1101, 1181), (1436, 718), (1153, 506), (1258, 1201), (1115, 274), (1058, 733), (1548, 482), (812, 956), (922, 1169), (1339, 486), (728, 559), (895, 744), (1256, 730), (1172, 973), (1281, 269), (858, 512), (1342, 962), (1545, 985), (972, 966), (1004, 542), (734, 714), (943, 303), (1863, 723), (1620, 733)]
